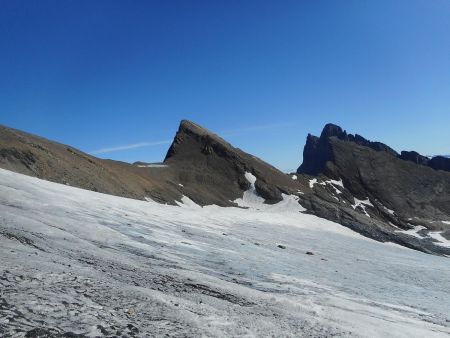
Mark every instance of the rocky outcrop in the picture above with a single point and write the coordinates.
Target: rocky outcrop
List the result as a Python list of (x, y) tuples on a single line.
[(396, 189), (440, 163), (317, 151), (414, 157)]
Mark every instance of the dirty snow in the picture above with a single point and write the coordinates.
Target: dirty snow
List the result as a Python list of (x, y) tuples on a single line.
[(88, 263)]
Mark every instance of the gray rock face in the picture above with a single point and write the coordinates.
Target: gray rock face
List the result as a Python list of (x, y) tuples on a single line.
[(402, 190), (440, 163), (414, 157), (317, 150)]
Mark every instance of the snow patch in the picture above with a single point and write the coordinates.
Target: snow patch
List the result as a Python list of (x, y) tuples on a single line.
[(252, 200), (336, 184), (186, 202), (389, 210), (414, 231), (294, 177), (152, 165), (312, 182), (441, 239), (362, 204)]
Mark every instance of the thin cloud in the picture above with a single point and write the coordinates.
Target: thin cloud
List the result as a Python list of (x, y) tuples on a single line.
[(128, 147), (228, 133), (251, 129)]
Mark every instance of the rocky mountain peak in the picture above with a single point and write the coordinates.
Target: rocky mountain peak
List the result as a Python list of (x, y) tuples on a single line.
[(317, 150), (333, 130)]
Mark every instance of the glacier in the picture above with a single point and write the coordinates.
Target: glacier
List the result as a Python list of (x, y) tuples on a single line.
[(84, 263)]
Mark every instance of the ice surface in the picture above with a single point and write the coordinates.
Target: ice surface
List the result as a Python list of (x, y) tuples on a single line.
[(79, 261)]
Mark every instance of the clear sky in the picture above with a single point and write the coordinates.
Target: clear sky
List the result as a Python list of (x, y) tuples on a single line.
[(116, 77)]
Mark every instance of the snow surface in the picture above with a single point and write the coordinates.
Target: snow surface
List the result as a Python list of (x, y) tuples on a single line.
[(436, 235), (152, 165), (89, 263), (252, 200)]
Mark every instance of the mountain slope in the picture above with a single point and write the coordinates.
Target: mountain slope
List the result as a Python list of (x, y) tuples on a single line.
[(379, 183), (36, 156), (199, 165), (213, 171)]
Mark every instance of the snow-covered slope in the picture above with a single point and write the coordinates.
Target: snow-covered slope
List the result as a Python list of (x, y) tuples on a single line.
[(99, 265)]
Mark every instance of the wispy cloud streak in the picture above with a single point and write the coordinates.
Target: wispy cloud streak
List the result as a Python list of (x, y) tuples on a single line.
[(129, 146), (227, 133), (256, 128)]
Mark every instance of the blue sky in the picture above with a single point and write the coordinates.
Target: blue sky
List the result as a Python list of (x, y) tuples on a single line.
[(116, 77)]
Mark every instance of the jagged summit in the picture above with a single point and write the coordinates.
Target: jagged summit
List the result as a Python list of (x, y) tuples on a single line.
[(331, 129), (189, 130), (317, 151)]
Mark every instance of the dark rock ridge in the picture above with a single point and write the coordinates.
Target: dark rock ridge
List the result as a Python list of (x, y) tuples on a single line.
[(212, 170), (316, 152), (399, 189), (414, 157)]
